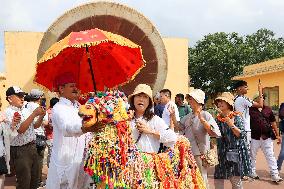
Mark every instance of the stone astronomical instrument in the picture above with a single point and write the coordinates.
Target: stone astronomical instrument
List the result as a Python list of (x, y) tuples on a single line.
[(118, 19)]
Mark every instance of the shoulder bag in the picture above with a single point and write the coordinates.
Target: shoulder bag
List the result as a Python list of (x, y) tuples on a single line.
[(209, 158)]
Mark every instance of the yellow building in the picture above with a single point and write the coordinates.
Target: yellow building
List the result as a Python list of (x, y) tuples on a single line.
[(21, 50), (271, 75)]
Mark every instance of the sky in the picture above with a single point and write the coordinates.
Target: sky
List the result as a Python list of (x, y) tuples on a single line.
[(190, 19)]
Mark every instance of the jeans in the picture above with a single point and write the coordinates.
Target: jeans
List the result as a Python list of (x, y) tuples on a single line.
[(281, 155)]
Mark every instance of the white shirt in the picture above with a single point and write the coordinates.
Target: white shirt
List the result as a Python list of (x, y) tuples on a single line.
[(69, 142), (147, 142), (196, 133), (29, 134), (31, 106), (166, 113), (242, 105), (6, 135)]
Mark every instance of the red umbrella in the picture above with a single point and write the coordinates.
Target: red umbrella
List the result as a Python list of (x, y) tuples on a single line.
[(98, 60)]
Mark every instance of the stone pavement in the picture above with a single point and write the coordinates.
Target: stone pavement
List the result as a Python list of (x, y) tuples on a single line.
[(262, 171)]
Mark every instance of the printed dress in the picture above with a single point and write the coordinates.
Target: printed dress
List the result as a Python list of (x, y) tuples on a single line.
[(226, 169)]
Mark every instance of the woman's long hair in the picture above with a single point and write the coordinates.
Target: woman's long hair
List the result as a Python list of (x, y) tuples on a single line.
[(148, 114)]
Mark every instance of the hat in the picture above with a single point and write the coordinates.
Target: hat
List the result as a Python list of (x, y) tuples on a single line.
[(63, 79), (227, 97), (141, 88), (36, 93), (15, 90), (198, 95)]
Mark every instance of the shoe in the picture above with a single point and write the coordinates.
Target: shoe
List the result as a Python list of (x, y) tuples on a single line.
[(254, 176), (276, 178), (41, 184)]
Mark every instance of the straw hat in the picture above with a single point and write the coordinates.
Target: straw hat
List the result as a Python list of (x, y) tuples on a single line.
[(227, 97), (198, 95), (141, 88)]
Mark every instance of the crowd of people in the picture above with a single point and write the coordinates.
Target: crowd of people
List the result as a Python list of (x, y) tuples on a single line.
[(241, 127)]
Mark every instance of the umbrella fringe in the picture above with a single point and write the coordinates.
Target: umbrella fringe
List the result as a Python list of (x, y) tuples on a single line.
[(134, 75), (114, 38)]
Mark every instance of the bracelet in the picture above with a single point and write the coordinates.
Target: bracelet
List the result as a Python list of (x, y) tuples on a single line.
[(233, 127)]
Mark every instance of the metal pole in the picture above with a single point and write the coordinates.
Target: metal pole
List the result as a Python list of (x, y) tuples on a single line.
[(91, 69)]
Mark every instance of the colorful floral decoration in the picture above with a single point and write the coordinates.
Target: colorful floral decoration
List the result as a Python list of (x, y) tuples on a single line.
[(114, 161), (230, 115)]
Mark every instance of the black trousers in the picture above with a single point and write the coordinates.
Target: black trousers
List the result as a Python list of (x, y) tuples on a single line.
[(25, 160)]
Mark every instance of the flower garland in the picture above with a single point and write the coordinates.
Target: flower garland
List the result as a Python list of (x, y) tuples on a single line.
[(230, 115)]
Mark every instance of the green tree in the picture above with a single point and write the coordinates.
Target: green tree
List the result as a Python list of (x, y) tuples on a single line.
[(218, 57), (263, 45)]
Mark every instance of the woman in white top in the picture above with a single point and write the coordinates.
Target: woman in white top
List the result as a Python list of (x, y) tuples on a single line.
[(198, 126), (148, 130), (5, 136)]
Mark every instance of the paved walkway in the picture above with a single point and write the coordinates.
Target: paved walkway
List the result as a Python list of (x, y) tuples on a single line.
[(262, 171)]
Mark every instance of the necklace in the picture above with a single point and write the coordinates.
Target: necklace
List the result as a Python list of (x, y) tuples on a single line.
[(230, 115)]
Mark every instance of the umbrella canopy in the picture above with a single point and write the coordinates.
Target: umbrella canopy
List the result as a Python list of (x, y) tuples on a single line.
[(97, 59)]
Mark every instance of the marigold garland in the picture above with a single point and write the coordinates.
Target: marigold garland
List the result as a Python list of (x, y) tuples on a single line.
[(230, 115)]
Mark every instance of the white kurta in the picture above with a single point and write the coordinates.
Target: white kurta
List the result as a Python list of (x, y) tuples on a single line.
[(66, 164), (147, 142)]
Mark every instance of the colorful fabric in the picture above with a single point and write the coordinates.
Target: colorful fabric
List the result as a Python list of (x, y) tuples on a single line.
[(114, 160), (226, 169)]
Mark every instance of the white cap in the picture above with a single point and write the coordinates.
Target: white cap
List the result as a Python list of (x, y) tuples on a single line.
[(198, 95)]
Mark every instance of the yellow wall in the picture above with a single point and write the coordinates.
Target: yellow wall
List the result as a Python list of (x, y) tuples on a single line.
[(20, 58), (177, 76), (267, 80), (21, 51)]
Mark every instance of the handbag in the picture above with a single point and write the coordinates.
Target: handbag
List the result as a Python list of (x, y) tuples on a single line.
[(233, 155), (209, 158), (3, 166)]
